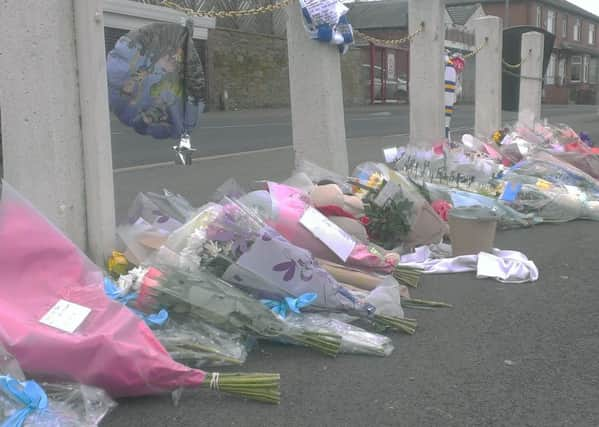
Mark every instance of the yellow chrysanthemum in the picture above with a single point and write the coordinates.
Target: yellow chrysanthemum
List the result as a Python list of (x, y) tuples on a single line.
[(375, 180), (118, 263)]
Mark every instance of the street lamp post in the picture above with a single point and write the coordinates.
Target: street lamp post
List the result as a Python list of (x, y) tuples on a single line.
[(506, 18)]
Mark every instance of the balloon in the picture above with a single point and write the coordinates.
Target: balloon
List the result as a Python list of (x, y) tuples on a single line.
[(156, 80)]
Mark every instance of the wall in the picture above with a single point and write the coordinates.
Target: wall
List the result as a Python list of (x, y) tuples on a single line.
[(519, 12), (355, 73), (251, 67)]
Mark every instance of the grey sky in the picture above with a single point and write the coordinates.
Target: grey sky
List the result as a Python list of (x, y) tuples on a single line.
[(590, 5)]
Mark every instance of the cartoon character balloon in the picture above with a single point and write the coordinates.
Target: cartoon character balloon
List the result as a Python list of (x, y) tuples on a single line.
[(156, 80)]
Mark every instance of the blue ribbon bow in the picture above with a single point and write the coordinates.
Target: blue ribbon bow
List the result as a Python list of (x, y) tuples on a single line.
[(294, 304), (29, 393), (153, 320)]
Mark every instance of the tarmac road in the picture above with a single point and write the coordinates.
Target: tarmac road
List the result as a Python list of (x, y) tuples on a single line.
[(505, 355), (240, 131)]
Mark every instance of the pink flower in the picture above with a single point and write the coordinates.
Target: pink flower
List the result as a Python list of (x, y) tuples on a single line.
[(442, 208)]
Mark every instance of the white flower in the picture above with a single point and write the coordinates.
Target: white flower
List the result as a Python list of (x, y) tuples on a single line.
[(212, 249)]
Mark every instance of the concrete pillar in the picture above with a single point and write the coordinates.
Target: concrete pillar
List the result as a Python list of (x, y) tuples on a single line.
[(95, 127), (487, 117), (316, 97), (54, 115), (531, 74), (427, 90)]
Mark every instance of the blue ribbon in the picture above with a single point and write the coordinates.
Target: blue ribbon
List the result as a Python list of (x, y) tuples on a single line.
[(29, 393), (153, 320), (294, 304)]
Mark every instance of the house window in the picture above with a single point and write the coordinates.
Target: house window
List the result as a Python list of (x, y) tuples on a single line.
[(585, 68), (575, 69), (591, 33), (550, 22), (539, 16), (565, 27), (576, 30), (561, 72), (550, 76), (594, 71)]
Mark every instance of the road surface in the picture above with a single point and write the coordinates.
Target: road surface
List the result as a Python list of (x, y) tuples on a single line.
[(240, 131)]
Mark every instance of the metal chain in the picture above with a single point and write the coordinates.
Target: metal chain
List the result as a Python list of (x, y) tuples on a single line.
[(509, 73), (394, 42), (227, 13), (478, 49), (507, 64)]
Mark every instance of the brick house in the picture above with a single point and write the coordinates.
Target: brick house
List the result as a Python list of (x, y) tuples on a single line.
[(573, 71), (385, 69)]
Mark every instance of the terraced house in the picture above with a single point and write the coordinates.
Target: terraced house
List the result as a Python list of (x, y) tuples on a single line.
[(573, 71)]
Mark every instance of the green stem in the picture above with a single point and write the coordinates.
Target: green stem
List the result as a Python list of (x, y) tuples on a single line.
[(407, 275), (406, 325), (260, 387), (426, 303)]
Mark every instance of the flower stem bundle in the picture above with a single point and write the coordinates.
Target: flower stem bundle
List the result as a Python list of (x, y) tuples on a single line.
[(396, 323), (407, 276), (255, 386)]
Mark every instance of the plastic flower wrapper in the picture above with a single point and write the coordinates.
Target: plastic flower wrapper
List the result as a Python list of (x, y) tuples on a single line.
[(198, 344), (508, 217), (59, 324), (354, 340), (30, 403), (207, 298), (232, 241), (151, 218), (161, 208), (547, 167), (586, 162), (315, 174), (288, 206), (551, 203)]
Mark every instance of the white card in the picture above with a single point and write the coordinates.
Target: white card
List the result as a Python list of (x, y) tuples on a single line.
[(392, 154), (388, 192), (66, 316), (328, 233), (576, 191)]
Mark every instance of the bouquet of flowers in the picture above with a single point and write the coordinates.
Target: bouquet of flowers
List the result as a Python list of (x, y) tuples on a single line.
[(58, 323), (507, 216), (354, 340), (289, 206), (547, 167), (550, 202), (232, 242), (203, 296)]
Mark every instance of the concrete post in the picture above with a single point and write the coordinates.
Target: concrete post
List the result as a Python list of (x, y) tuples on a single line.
[(47, 126), (95, 128), (316, 93), (427, 90), (487, 117), (531, 75), (41, 131)]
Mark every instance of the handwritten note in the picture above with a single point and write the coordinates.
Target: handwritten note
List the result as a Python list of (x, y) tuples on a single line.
[(66, 316), (325, 11)]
